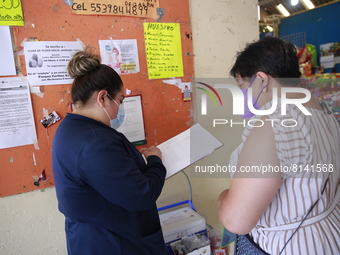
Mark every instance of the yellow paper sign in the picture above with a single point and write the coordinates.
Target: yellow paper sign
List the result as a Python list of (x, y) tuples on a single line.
[(134, 8), (11, 13), (163, 50)]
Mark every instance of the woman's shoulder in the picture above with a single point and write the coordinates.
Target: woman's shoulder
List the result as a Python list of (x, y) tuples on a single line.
[(81, 129)]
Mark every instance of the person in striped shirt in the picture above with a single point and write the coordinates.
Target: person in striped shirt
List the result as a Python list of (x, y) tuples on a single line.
[(284, 196)]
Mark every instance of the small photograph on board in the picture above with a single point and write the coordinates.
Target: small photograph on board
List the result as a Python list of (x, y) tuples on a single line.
[(52, 118), (186, 91)]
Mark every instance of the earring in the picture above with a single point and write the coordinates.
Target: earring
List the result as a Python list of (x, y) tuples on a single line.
[(264, 90)]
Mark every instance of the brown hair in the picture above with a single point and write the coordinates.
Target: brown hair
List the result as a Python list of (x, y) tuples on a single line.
[(90, 76), (271, 55)]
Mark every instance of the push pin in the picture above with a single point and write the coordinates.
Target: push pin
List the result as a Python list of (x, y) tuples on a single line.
[(160, 13)]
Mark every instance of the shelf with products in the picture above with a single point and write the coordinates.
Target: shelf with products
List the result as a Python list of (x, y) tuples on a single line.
[(326, 88)]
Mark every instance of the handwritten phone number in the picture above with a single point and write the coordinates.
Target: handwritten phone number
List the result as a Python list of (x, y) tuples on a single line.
[(129, 8), (318, 168)]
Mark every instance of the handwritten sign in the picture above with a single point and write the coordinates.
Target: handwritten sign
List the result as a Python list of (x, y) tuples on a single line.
[(163, 50), (11, 13), (135, 8)]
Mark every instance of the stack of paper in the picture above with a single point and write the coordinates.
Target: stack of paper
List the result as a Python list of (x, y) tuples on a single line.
[(186, 148)]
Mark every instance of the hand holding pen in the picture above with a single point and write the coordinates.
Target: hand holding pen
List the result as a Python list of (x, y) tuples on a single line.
[(153, 150)]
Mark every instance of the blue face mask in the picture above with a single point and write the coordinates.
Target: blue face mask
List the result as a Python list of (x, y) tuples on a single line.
[(117, 122)]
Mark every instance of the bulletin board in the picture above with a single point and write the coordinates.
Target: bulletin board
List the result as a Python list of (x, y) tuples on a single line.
[(165, 112)]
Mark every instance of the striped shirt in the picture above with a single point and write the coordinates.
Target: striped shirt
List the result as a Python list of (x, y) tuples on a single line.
[(309, 154)]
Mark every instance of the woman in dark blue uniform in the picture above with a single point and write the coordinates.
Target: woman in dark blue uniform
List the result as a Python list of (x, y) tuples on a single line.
[(104, 187)]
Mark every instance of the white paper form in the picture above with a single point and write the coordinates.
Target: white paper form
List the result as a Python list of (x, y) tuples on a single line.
[(16, 116), (186, 148), (7, 65)]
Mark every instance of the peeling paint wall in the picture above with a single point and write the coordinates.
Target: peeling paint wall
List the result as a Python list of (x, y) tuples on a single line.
[(220, 28), (31, 224)]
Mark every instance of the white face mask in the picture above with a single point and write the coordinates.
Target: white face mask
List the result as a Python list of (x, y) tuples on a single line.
[(117, 122)]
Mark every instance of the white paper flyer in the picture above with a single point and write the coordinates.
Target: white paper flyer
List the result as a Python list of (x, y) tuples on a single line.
[(121, 55)]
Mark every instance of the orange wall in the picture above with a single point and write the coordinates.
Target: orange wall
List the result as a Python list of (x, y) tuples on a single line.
[(165, 114)]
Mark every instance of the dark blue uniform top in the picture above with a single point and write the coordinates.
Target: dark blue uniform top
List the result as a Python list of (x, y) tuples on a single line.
[(106, 191)]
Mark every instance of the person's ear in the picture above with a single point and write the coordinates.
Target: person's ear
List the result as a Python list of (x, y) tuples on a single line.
[(101, 97), (264, 79)]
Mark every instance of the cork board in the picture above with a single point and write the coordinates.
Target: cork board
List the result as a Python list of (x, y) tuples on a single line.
[(165, 112)]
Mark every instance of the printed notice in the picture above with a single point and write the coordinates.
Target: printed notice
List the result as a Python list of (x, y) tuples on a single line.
[(16, 116), (163, 50), (46, 62), (133, 125), (11, 13), (121, 55), (135, 8)]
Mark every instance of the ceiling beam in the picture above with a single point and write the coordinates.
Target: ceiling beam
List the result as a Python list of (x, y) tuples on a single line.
[(263, 2)]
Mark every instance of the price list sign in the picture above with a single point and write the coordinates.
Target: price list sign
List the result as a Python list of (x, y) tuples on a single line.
[(135, 8), (163, 50)]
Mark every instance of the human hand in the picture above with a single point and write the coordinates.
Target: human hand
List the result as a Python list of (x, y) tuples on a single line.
[(153, 150)]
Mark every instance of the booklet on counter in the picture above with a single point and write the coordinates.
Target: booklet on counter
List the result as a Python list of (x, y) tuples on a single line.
[(186, 148)]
